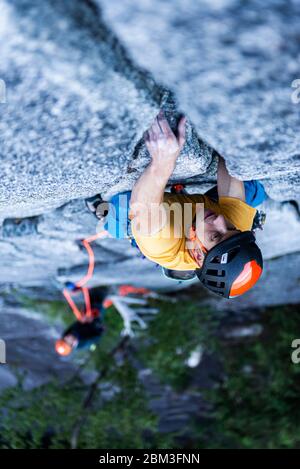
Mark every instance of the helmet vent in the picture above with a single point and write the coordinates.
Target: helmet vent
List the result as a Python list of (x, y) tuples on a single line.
[(216, 260), (232, 253), (215, 284), (216, 273)]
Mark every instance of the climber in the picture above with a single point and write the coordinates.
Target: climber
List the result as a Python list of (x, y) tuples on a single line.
[(86, 332), (217, 242)]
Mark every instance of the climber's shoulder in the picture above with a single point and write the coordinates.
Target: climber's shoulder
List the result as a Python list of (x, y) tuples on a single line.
[(237, 211)]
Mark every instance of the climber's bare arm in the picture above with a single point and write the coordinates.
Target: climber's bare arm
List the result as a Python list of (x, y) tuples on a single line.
[(147, 194), (228, 185)]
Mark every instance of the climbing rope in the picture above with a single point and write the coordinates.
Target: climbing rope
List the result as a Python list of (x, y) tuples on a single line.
[(80, 285), (123, 290)]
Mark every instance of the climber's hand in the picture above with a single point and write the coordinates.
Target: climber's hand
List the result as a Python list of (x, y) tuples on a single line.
[(162, 144), (146, 209)]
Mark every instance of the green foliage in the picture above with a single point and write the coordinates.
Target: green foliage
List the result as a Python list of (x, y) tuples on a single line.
[(258, 403), (124, 421), (45, 417), (170, 338), (27, 417)]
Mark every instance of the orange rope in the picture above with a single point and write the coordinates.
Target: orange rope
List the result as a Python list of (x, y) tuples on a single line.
[(83, 281), (87, 300), (90, 252), (124, 290), (78, 314)]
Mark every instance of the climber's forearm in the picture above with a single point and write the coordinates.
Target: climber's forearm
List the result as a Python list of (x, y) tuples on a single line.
[(149, 188), (147, 210), (229, 186), (147, 195)]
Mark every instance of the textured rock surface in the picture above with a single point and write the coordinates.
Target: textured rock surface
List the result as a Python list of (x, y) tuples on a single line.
[(281, 232), (76, 108), (29, 350), (231, 64)]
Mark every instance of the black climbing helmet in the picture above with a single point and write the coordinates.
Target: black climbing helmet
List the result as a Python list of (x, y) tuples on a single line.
[(233, 266)]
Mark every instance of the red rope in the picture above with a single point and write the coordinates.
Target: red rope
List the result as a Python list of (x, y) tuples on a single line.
[(84, 280), (78, 314), (124, 290)]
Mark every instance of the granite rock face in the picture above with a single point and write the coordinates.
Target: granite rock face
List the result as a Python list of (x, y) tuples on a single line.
[(231, 64), (76, 108)]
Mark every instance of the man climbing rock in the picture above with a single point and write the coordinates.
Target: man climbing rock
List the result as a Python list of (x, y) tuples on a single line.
[(216, 240), (210, 235)]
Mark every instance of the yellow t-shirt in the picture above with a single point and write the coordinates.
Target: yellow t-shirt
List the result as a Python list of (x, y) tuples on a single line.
[(168, 246)]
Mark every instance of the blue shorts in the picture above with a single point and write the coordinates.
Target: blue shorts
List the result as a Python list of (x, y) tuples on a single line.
[(118, 223)]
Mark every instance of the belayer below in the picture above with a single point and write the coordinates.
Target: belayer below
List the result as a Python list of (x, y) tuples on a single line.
[(86, 332), (129, 301)]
